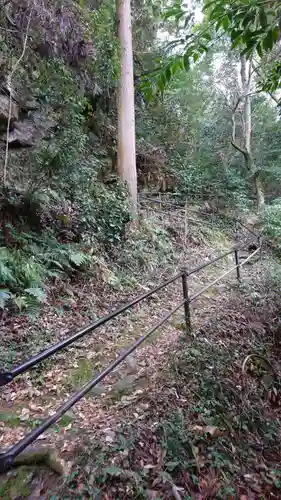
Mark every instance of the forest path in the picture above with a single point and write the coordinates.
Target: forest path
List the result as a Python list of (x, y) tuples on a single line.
[(228, 321), (33, 396)]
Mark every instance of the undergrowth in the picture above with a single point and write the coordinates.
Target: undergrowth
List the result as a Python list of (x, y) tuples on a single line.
[(25, 267), (216, 439), (32, 261), (211, 428)]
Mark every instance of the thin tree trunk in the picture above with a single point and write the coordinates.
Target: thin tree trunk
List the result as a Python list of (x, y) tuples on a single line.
[(245, 74), (126, 148), (259, 191), (256, 180)]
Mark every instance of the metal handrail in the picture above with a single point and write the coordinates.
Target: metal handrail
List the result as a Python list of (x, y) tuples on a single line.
[(7, 376), (7, 458), (223, 275), (180, 205), (257, 235)]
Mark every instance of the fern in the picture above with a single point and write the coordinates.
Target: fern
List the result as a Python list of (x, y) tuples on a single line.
[(38, 293), (24, 271), (27, 302), (5, 295), (6, 274), (32, 305), (19, 301), (78, 258)]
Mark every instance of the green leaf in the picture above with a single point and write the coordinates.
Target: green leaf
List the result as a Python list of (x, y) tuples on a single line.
[(236, 42), (195, 56), (175, 66), (262, 18), (186, 63), (36, 292), (268, 41), (235, 34), (249, 18), (207, 36), (5, 295), (208, 4), (161, 83), (78, 258), (31, 304), (203, 47), (216, 12), (247, 35), (168, 74), (275, 33), (225, 23), (20, 302), (148, 92), (175, 11), (259, 49)]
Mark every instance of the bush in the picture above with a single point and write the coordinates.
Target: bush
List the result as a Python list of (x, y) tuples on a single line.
[(24, 271), (147, 247), (104, 211), (271, 222)]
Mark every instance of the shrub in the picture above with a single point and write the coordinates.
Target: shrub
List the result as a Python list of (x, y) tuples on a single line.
[(24, 270), (271, 222)]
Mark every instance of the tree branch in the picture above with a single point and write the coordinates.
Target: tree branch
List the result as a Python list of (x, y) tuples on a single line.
[(233, 140), (256, 70), (241, 150), (274, 98), (9, 84), (7, 15)]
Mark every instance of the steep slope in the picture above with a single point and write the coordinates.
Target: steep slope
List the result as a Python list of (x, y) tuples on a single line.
[(172, 387)]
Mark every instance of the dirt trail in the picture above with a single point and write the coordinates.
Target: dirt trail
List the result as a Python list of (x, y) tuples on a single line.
[(35, 395), (129, 394)]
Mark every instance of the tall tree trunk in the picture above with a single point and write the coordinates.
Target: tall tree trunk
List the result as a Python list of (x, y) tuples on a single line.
[(126, 148), (245, 98), (259, 191)]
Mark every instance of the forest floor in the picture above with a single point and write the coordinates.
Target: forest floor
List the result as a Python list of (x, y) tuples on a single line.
[(181, 418)]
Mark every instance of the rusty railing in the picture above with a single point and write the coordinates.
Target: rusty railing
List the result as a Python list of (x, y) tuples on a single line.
[(6, 377)]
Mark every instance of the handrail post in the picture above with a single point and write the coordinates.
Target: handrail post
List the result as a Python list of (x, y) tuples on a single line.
[(237, 264), (260, 244), (5, 462), (186, 301)]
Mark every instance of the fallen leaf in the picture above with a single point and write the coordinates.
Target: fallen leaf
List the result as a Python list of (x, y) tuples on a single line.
[(208, 429)]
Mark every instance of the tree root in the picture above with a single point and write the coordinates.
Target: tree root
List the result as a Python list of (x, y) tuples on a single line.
[(176, 493), (253, 355), (42, 456)]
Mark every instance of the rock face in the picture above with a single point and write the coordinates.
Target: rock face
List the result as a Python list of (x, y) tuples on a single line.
[(54, 32), (30, 131), (28, 125), (4, 110)]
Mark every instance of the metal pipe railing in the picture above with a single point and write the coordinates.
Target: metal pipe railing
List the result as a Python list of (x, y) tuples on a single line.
[(223, 275), (6, 459), (216, 259), (257, 235), (7, 376)]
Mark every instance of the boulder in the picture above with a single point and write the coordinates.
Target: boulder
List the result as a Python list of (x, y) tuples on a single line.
[(30, 132), (4, 109)]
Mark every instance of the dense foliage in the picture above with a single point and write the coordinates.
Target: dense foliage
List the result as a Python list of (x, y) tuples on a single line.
[(61, 201)]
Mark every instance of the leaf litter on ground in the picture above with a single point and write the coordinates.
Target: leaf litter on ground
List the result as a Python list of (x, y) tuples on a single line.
[(155, 385)]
